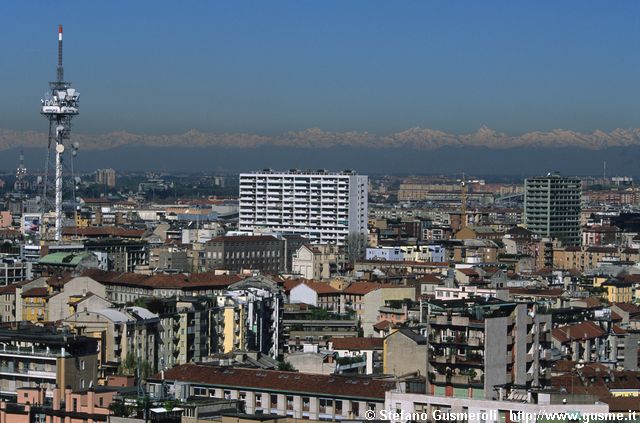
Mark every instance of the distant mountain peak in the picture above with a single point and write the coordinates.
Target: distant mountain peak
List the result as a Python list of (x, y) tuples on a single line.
[(317, 138)]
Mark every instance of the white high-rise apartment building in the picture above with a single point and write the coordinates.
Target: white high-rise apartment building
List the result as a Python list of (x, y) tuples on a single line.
[(325, 207)]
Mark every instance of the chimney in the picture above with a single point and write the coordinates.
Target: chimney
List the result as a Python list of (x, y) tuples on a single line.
[(56, 398), (91, 400), (67, 398), (41, 395)]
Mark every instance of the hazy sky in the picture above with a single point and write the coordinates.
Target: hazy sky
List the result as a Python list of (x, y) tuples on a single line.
[(380, 66)]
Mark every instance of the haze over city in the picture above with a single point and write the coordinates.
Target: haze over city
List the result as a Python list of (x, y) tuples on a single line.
[(320, 210), (368, 75)]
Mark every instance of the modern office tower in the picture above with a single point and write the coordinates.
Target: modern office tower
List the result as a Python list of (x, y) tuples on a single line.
[(325, 207), (552, 207)]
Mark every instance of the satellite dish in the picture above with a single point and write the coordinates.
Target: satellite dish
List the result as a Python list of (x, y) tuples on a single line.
[(59, 148)]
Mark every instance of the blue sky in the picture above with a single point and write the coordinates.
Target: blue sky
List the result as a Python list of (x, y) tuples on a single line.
[(380, 66)]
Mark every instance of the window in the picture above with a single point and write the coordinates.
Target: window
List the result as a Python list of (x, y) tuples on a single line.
[(200, 391), (289, 402), (82, 364), (274, 400), (325, 404), (227, 394), (338, 407), (305, 403), (258, 400)]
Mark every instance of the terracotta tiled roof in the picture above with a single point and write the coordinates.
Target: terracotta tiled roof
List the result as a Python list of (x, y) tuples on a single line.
[(432, 279), (290, 283), (618, 330), (468, 272), (623, 404), (628, 307), (383, 325), (103, 231), (536, 292), (271, 380), (599, 249), (581, 331), (361, 288), (630, 278), (592, 302), (563, 366), (321, 287), (357, 343), (195, 281), (8, 289), (36, 292)]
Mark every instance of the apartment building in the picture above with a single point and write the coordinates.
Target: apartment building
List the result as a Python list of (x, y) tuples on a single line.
[(243, 252), (325, 207), (130, 331), (34, 356), (250, 317), (552, 207), (317, 294), (298, 395), (368, 350), (597, 341), (319, 261), (303, 325), (476, 345), (589, 257)]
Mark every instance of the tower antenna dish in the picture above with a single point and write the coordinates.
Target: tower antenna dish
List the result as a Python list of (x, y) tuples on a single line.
[(59, 106)]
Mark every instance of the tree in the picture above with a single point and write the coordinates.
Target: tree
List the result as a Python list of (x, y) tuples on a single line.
[(356, 246), (131, 364), (119, 409), (285, 366)]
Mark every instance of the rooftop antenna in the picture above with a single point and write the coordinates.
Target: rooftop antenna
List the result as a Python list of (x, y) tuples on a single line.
[(59, 106)]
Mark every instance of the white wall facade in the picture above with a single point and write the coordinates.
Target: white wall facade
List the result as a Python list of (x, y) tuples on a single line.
[(325, 207)]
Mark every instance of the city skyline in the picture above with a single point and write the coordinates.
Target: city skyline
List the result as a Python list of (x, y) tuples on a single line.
[(344, 68)]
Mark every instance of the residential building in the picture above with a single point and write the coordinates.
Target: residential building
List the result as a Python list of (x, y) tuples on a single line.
[(106, 177), (169, 258), (303, 325), (8, 303), (299, 395), (589, 257), (618, 290), (513, 405), (398, 346), (317, 261), (130, 331), (594, 341), (369, 351), (34, 356), (255, 320), (477, 345), (552, 207), (244, 252), (317, 294), (12, 271), (325, 207)]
